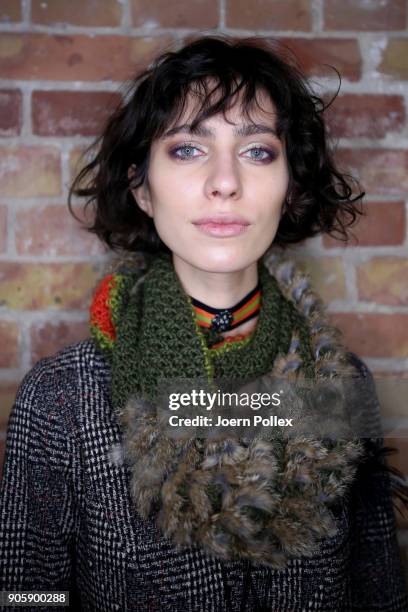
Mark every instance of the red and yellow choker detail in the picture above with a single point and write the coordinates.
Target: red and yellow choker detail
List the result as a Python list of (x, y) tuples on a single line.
[(224, 319)]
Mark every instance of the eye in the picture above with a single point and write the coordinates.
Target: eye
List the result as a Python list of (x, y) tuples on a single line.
[(184, 151), (261, 154)]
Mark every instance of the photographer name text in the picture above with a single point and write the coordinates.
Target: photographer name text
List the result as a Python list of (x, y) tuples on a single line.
[(206, 421)]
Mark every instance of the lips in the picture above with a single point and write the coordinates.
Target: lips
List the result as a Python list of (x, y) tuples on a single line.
[(222, 227), (223, 220)]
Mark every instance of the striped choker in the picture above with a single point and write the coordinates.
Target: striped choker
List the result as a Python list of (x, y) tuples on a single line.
[(223, 319)]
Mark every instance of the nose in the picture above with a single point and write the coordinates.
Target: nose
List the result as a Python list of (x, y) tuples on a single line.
[(223, 180)]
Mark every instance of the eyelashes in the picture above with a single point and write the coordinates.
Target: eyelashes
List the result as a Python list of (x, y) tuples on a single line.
[(264, 154), (270, 155), (186, 146)]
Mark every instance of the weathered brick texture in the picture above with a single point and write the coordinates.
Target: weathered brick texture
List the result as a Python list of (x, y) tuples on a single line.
[(365, 15), (3, 228), (269, 14), (75, 57), (381, 171), (382, 224), (372, 334), (10, 11), (47, 338), (30, 171), (197, 14), (316, 55), (394, 59), (51, 230), (43, 286), (384, 280), (366, 115), (93, 13), (9, 357), (71, 113), (10, 112)]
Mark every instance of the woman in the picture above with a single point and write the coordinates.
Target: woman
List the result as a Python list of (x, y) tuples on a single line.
[(218, 153)]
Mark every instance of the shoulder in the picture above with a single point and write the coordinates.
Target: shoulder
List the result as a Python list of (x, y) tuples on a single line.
[(51, 391), (80, 359)]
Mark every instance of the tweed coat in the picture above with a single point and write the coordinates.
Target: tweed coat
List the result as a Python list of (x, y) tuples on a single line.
[(67, 520)]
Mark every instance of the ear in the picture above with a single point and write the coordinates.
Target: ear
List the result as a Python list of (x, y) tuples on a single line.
[(141, 194)]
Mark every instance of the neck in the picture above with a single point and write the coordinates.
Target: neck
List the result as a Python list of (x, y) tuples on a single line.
[(216, 289)]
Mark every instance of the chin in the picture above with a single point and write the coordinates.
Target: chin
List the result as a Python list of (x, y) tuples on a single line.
[(222, 262)]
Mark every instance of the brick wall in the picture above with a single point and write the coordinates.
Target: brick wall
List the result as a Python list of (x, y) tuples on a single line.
[(60, 68)]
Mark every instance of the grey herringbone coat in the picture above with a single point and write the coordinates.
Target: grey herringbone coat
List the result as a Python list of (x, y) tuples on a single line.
[(67, 521)]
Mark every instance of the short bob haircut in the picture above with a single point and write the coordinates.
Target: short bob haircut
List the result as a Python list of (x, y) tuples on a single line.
[(318, 198)]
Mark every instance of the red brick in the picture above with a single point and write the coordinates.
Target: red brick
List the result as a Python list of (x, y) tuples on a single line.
[(10, 10), (394, 61), (10, 112), (327, 276), (41, 286), (383, 224), (8, 393), (374, 334), (77, 160), (365, 115), (71, 113), (76, 57), (363, 15), (3, 228), (176, 14), (381, 171), (27, 171), (313, 53), (51, 230), (107, 13), (48, 338), (269, 14), (9, 351), (383, 280)]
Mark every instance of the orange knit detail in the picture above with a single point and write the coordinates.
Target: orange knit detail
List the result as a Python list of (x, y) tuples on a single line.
[(100, 310), (230, 339)]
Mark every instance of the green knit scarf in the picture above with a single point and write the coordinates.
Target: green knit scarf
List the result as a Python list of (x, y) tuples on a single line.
[(159, 336), (263, 500)]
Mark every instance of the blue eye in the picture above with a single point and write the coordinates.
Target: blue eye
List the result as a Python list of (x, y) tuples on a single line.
[(187, 148), (260, 151)]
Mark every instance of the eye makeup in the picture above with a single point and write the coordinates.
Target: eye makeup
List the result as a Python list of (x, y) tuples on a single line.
[(270, 154)]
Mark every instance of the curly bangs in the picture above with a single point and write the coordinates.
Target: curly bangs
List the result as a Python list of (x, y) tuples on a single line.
[(215, 69)]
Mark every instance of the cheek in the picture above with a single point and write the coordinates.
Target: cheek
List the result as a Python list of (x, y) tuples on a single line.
[(268, 196), (171, 194)]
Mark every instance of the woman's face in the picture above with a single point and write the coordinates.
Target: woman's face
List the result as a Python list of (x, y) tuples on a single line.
[(216, 195)]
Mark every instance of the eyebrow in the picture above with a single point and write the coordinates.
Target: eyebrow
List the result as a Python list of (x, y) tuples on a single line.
[(241, 130)]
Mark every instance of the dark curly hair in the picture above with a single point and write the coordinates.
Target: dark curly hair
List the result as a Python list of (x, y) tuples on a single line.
[(318, 197)]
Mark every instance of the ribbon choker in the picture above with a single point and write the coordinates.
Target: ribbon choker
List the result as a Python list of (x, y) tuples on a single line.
[(223, 319)]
